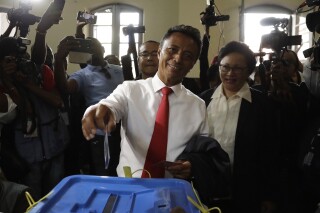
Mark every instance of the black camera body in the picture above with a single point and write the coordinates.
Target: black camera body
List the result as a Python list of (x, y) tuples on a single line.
[(85, 45), (276, 40), (131, 29), (25, 66), (86, 17), (28, 68), (209, 17)]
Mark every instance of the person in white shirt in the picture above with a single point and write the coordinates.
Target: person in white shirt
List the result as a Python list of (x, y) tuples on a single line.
[(136, 104), (148, 59)]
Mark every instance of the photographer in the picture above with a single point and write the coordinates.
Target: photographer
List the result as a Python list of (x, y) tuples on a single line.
[(96, 81), (289, 104), (310, 142), (51, 16), (12, 195), (40, 134)]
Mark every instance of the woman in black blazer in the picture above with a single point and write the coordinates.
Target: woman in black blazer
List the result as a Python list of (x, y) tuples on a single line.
[(240, 120)]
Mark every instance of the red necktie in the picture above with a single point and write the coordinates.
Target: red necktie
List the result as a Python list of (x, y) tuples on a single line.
[(157, 150)]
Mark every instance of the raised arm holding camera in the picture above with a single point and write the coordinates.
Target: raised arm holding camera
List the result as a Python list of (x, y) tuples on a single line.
[(40, 134), (289, 99), (50, 17), (94, 82)]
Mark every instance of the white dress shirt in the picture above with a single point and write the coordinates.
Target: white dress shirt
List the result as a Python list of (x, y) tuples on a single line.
[(223, 117), (135, 103)]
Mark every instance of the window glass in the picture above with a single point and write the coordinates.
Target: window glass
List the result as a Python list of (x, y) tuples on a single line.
[(129, 18), (108, 30), (103, 33), (104, 18)]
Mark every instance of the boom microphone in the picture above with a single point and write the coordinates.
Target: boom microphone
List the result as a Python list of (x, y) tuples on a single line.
[(273, 21)]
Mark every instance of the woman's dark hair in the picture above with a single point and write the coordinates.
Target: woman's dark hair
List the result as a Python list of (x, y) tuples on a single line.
[(242, 48)]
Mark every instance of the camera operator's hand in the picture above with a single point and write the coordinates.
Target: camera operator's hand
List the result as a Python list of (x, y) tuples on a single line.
[(66, 44), (96, 47)]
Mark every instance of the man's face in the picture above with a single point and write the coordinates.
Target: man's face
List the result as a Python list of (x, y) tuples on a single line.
[(148, 59), (176, 58), (284, 68)]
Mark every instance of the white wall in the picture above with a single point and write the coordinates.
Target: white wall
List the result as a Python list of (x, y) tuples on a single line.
[(159, 15)]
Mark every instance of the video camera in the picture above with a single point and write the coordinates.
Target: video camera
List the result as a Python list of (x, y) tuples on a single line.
[(277, 39), (25, 66), (22, 17), (83, 53), (209, 17)]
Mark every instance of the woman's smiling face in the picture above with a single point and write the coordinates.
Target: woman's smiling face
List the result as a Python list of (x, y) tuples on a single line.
[(233, 72)]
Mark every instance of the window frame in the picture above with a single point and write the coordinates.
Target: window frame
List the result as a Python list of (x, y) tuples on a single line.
[(294, 27), (116, 10)]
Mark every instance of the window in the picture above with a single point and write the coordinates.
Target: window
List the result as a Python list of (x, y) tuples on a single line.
[(108, 30), (4, 23)]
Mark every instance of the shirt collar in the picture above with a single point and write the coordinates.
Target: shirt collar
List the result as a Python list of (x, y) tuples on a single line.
[(158, 85), (244, 93), (97, 68)]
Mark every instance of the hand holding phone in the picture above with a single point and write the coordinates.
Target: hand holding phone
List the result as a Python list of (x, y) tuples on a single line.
[(86, 17)]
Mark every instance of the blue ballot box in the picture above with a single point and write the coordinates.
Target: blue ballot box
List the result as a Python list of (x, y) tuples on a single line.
[(98, 194)]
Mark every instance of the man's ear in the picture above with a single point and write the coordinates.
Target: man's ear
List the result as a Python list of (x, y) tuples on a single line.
[(159, 51)]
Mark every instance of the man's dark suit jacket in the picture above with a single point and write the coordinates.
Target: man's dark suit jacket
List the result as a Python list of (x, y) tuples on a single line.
[(255, 156)]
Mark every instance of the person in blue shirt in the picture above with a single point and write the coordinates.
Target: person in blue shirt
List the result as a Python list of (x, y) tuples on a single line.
[(95, 81)]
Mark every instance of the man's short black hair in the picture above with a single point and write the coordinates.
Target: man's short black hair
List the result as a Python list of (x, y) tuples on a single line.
[(242, 48), (187, 30), (150, 41)]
